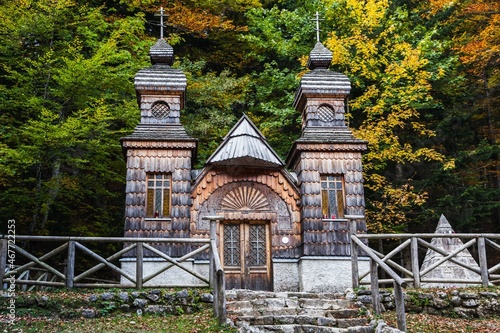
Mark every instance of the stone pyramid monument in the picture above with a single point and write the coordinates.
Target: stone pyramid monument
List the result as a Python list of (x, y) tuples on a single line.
[(448, 271)]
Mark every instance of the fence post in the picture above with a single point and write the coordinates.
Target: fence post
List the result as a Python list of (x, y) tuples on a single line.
[(483, 263), (4, 246), (374, 287), (415, 266), (70, 270), (400, 306), (353, 229), (221, 298), (139, 265), (213, 237)]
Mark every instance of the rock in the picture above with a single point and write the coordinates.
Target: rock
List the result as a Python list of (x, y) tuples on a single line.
[(89, 313), (92, 298), (153, 297), (182, 294), (323, 321), (468, 296), (488, 294), (207, 298), (382, 327), (140, 302), (365, 298), (123, 296), (360, 329), (440, 303), (107, 296), (155, 291), (456, 301), (442, 295), (351, 296), (155, 309), (470, 303), (42, 301), (134, 294), (466, 313)]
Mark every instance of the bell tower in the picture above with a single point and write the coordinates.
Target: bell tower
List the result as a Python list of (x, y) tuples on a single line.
[(326, 159), (159, 153)]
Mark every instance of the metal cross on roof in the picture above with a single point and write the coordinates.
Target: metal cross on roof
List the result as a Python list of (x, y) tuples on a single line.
[(317, 19), (161, 13)]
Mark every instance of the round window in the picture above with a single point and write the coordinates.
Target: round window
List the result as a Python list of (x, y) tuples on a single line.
[(326, 113), (160, 109)]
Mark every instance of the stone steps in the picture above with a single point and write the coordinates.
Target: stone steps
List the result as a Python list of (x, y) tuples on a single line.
[(294, 312)]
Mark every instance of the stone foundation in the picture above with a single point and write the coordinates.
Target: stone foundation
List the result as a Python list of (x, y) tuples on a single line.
[(173, 277), (309, 274), (328, 274)]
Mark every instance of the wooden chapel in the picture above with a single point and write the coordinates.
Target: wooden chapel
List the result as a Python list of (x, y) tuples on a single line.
[(285, 225)]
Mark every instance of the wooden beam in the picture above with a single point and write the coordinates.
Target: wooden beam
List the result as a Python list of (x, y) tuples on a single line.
[(181, 259), (139, 261), (70, 270), (173, 261), (483, 263), (354, 255), (427, 235), (379, 261), (449, 257), (4, 249), (391, 263), (101, 259), (101, 265), (374, 287), (400, 307), (36, 260), (42, 258), (107, 239), (415, 265)]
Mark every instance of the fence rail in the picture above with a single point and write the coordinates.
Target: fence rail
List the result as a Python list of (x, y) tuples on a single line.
[(79, 245), (410, 273)]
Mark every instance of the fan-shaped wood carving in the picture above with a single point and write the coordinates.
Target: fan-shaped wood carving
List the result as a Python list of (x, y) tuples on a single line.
[(245, 198)]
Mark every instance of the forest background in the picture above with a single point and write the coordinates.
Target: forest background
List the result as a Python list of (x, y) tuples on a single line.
[(425, 95)]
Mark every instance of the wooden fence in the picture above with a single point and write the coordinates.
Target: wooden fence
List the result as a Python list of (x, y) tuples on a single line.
[(9, 249), (400, 275)]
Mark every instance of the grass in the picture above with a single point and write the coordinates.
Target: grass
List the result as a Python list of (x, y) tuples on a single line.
[(60, 311), (426, 323), (200, 322)]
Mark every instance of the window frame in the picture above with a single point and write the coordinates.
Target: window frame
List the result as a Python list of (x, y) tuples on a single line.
[(153, 190), (326, 190)]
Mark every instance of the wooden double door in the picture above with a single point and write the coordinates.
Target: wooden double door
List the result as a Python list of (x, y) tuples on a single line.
[(246, 254)]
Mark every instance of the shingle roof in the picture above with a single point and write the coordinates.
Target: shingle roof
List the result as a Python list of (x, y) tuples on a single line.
[(245, 145), (320, 57), (160, 77), (163, 132), (329, 135), (161, 52)]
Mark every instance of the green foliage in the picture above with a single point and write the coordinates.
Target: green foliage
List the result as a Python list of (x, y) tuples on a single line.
[(67, 99), (425, 96)]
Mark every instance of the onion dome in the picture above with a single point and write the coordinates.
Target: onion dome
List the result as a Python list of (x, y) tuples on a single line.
[(162, 53), (320, 57)]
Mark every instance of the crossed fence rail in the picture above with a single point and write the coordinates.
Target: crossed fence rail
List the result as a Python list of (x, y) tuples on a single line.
[(401, 275), (73, 245)]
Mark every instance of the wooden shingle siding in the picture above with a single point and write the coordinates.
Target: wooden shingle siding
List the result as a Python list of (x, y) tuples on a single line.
[(284, 212), (326, 148), (173, 161)]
